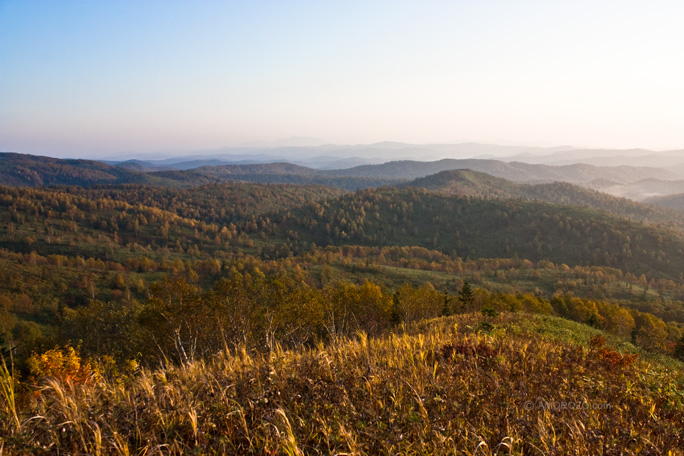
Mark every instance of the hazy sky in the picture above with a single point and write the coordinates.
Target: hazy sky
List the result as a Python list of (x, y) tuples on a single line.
[(97, 77)]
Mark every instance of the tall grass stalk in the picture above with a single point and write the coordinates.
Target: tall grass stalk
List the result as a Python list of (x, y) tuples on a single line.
[(7, 387)]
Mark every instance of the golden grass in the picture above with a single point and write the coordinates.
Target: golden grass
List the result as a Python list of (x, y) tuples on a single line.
[(436, 388), (9, 396)]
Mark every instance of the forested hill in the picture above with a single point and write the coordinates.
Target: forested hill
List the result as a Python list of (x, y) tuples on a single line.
[(286, 219), (23, 170), (488, 228), (225, 203), (641, 190), (515, 171), (481, 185), (270, 173), (670, 201), (467, 182), (268, 168)]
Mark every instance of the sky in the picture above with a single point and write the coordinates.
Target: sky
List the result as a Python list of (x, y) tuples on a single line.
[(97, 78)]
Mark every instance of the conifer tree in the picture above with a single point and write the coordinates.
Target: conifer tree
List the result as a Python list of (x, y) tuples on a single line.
[(396, 315), (465, 295), (446, 308), (679, 349)]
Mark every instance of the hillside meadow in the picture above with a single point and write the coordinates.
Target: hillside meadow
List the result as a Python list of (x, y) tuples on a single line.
[(468, 384)]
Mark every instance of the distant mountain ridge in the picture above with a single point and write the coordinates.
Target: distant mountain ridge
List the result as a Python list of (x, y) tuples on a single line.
[(671, 159), (267, 168), (641, 190), (35, 171), (515, 171)]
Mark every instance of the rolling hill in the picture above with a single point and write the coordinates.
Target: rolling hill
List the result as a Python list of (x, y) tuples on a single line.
[(515, 171), (273, 173), (487, 228), (640, 190), (534, 226), (481, 185), (224, 203), (675, 201), (23, 170)]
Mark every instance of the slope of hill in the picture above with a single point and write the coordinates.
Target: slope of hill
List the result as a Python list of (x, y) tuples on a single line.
[(480, 185), (639, 190), (162, 225), (139, 165), (256, 169), (463, 226), (534, 385), (225, 203), (34, 171), (675, 201), (488, 228), (272, 173), (515, 171), (467, 182)]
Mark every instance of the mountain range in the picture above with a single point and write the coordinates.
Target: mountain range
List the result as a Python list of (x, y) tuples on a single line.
[(29, 170), (318, 155)]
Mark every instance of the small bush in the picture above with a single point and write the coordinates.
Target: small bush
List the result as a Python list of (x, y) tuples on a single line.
[(64, 364), (608, 357)]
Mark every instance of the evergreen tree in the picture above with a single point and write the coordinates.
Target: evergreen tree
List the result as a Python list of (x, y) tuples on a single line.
[(396, 315), (679, 349), (465, 295), (446, 308)]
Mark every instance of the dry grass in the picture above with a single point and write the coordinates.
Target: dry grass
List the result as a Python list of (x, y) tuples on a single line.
[(9, 396), (437, 388)]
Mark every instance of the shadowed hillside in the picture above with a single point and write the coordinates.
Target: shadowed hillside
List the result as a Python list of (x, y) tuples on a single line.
[(670, 201), (480, 185), (34, 171), (487, 228)]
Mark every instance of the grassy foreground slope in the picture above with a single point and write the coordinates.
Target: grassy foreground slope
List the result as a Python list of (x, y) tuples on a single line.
[(526, 385)]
